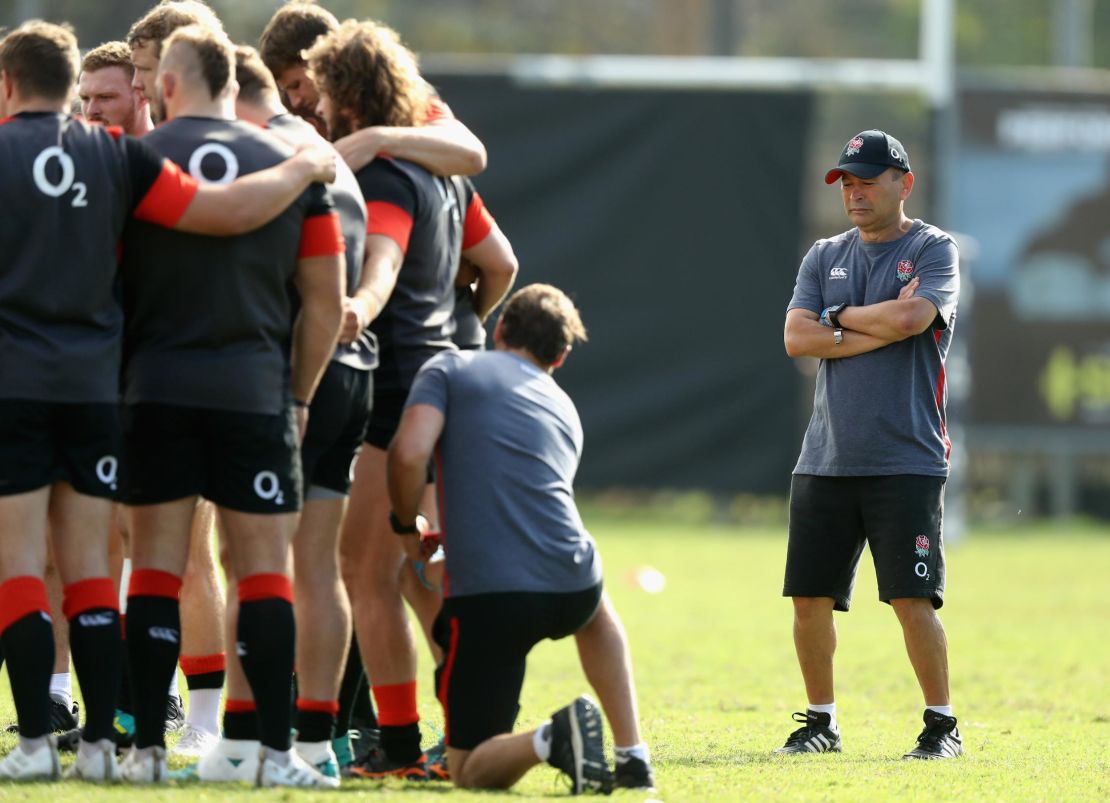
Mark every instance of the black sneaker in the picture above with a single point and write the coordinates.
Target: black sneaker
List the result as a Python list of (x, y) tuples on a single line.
[(175, 714), (68, 741), (815, 736), (377, 766), (63, 717), (634, 773), (363, 740), (577, 748), (940, 739)]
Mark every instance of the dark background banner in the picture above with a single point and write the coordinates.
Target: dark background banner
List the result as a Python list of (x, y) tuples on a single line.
[(673, 219)]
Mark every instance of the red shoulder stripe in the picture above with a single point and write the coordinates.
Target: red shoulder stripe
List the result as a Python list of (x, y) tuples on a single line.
[(479, 222), (321, 236), (168, 198), (391, 220)]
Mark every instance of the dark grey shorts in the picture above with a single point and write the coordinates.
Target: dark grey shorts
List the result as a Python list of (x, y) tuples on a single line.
[(898, 516)]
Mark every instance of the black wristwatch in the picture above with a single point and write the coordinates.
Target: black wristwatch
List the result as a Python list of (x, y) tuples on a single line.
[(833, 312), (402, 529)]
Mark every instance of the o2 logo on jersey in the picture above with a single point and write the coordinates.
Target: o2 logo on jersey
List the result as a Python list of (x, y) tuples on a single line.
[(65, 182), (226, 155), (267, 486), (107, 471)]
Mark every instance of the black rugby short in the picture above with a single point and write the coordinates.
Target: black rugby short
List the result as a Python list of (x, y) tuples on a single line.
[(385, 416), (486, 639), (336, 424), (46, 442), (249, 462), (898, 516)]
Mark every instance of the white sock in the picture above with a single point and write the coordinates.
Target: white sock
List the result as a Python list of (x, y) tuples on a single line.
[(173, 692), (32, 746), (61, 686), (279, 757), (124, 582), (639, 751), (204, 709), (940, 709), (541, 741), (828, 708)]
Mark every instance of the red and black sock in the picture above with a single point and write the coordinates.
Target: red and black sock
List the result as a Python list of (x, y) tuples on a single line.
[(92, 609), (240, 720), (204, 671), (28, 643), (153, 644), (266, 633), (399, 721), (315, 720)]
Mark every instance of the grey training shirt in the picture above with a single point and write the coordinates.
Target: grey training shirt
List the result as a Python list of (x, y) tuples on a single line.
[(882, 412), (508, 454)]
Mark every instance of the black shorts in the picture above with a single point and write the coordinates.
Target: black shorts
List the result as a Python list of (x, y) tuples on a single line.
[(898, 516), (385, 416), (336, 424), (249, 462), (46, 442), (486, 639)]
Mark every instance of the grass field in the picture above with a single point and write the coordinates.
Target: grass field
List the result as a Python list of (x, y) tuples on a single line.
[(1028, 625)]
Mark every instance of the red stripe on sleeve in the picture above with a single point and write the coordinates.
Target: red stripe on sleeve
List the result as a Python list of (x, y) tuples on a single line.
[(391, 220), (265, 586), (89, 595), (168, 198), (479, 222), (321, 236), (438, 110)]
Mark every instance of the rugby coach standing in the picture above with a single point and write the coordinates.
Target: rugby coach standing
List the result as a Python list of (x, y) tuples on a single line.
[(877, 306)]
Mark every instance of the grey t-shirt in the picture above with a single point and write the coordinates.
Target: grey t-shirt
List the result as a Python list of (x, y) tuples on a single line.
[(508, 454), (882, 412)]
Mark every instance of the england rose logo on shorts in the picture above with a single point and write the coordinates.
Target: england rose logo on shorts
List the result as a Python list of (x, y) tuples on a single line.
[(922, 546), (854, 146), (905, 270)]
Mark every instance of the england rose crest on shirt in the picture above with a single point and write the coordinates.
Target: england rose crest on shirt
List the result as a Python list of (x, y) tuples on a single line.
[(854, 146), (905, 270), (922, 546)]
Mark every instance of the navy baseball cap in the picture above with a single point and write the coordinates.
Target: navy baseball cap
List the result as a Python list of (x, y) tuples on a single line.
[(868, 154)]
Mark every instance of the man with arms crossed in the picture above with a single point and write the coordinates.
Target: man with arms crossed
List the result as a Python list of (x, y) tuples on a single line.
[(217, 382), (72, 188), (520, 563), (877, 306)]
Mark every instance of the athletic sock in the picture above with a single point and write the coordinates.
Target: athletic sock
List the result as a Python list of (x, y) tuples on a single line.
[(315, 720), (204, 677), (61, 687), (91, 606), (27, 638), (940, 709), (399, 721), (265, 633), (639, 751), (541, 741), (354, 694), (240, 720), (826, 708), (153, 644)]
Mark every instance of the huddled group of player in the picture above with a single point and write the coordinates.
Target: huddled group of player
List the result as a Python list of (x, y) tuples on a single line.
[(219, 319)]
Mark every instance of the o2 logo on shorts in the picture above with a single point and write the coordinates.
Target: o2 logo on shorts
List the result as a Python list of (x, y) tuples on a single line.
[(107, 471), (267, 487), (65, 181), (226, 155)]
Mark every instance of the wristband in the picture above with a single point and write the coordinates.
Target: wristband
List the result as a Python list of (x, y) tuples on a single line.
[(402, 529)]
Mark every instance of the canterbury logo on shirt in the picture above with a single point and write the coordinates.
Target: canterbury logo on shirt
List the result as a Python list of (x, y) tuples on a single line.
[(838, 273)]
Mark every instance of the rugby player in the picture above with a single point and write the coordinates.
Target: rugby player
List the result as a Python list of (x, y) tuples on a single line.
[(216, 393), (70, 188)]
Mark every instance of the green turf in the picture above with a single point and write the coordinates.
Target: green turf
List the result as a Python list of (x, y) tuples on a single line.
[(1028, 627)]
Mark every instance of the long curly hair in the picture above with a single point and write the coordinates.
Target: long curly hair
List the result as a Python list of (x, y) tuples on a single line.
[(366, 70)]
